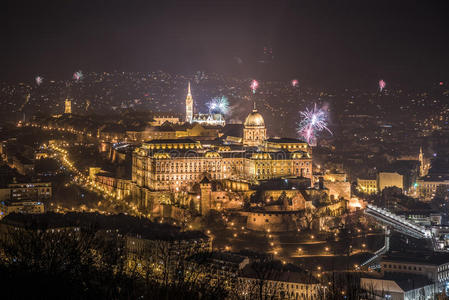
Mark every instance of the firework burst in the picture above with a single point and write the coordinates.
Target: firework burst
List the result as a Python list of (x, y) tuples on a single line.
[(254, 85), (39, 80), (218, 105), (313, 122), (295, 82), (382, 85), (78, 75)]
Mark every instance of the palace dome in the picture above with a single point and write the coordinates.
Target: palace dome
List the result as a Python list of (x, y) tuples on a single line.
[(254, 119)]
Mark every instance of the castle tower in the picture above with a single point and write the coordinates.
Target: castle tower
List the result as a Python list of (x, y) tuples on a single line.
[(206, 196), (68, 107), (189, 105), (254, 131)]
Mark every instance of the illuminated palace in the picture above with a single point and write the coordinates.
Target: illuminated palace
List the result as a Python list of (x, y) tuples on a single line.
[(178, 164), (207, 119)]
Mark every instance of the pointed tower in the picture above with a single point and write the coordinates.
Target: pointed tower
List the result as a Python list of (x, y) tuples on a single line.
[(68, 107), (189, 105), (421, 162)]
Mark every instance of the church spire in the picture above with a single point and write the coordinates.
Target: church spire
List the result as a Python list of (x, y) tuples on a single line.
[(421, 162), (254, 103), (189, 105)]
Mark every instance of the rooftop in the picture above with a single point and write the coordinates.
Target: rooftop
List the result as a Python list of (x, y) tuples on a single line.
[(172, 141), (285, 140), (435, 177), (418, 258), (277, 272)]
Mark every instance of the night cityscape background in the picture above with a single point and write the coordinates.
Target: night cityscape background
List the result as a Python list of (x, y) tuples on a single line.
[(224, 149)]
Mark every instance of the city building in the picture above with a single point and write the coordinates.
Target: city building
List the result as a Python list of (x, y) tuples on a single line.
[(367, 186), (67, 107), (432, 265), (389, 179), (429, 185), (278, 284), (411, 288), (382, 181), (24, 207), (161, 118), (254, 131), (336, 184), (34, 191), (110, 184), (223, 267), (179, 164), (23, 165)]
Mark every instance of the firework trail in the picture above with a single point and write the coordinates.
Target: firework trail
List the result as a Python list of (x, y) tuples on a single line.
[(254, 86), (295, 84), (313, 122), (27, 99), (218, 105)]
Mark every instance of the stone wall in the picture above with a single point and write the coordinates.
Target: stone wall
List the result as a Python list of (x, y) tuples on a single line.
[(275, 222)]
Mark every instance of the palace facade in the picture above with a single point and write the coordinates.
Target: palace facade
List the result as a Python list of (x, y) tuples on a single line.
[(178, 164)]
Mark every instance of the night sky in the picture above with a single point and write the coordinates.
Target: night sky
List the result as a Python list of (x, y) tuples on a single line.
[(333, 42)]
